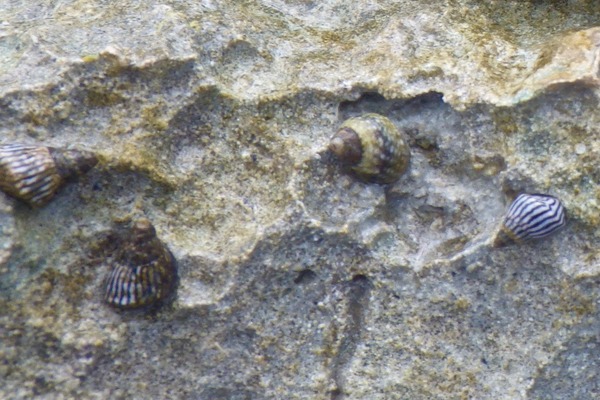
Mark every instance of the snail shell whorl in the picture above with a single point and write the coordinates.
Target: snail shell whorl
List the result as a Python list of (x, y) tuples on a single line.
[(373, 148), (530, 216), (28, 173), (143, 272), (34, 173), (346, 146)]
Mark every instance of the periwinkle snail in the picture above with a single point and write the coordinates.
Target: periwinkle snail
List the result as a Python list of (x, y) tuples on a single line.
[(372, 147), (143, 272), (34, 174), (530, 216)]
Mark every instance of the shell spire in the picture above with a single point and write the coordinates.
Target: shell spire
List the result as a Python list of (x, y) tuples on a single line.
[(143, 272), (530, 216), (35, 173), (372, 147), (70, 163)]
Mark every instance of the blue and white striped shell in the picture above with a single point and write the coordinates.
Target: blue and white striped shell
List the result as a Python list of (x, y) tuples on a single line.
[(35, 173), (531, 216), (143, 271)]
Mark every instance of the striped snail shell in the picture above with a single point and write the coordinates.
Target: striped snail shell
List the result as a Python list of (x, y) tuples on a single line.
[(143, 271), (372, 147), (35, 173), (530, 216)]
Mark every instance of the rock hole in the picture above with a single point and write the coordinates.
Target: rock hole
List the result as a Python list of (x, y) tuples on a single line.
[(368, 102), (336, 394), (305, 276), (361, 279)]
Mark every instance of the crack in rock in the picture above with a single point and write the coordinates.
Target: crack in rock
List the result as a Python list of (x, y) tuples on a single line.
[(358, 291)]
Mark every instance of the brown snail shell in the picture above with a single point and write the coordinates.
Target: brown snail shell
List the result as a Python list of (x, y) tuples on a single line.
[(35, 173), (143, 271), (372, 147)]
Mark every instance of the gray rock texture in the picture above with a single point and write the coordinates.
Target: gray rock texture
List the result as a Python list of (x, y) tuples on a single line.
[(296, 281)]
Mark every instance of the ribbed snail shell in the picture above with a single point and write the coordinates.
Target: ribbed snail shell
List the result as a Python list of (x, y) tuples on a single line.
[(34, 173), (143, 271), (373, 148), (530, 216)]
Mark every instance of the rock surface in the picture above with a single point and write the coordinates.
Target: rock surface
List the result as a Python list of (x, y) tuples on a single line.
[(212, 119)]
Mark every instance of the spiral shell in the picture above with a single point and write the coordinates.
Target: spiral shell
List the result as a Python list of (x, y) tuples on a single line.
[(143, 271), (35, 173), (372, 147), (530, 216)]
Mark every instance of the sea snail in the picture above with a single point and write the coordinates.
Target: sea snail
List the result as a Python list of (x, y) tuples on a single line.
[(372, 147), (530, 216), (35, 173), (143, 271)]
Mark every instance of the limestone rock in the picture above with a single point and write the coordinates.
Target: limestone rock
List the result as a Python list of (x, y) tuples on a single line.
[(212, 120)]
